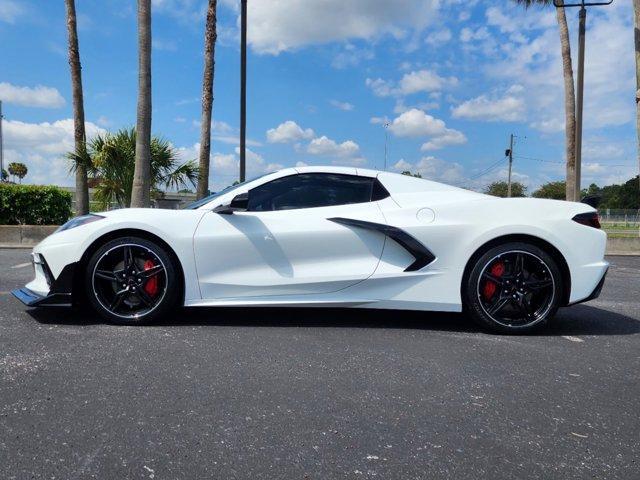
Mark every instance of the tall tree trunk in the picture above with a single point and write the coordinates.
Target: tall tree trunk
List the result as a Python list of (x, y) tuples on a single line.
[(79, 135), (140, 194), (636, 9), (210, 37), (569, 104)]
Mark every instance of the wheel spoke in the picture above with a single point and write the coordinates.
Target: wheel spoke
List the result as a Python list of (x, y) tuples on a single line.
[(499, 305), (526, 307), (128, 257), (519, 264), (152, 272), (536, 285), (144, 296), (106, 275), (489, 276), (117, 301)]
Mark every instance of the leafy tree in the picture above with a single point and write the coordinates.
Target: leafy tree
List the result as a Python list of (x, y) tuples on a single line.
[(210, 37), (112, 160), (569, 92), (500, 189), (409, 174), (625, 196), (142, 182), (18, 170), (79, 134), (552, 190), (4, 175)]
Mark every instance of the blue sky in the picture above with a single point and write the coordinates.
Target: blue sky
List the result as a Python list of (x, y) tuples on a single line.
[(451, 79)]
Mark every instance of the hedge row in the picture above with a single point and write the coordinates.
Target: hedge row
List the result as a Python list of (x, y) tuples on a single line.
[(33, 205)]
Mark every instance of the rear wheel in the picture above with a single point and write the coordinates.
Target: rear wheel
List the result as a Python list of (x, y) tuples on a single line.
[(131, 281), (513, 288)]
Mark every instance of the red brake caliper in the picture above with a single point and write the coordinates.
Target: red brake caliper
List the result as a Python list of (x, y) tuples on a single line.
[(151, 287), (489, 290)]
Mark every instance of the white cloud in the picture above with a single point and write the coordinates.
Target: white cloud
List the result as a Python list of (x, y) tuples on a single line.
[(351, 56), (42, 146), (410, 83), (164, 45), (416, 123), (432, 168), (225, 167), (326, 147), (468, 35), (290, 24), (10, 10), (448, 138), (345, 106), (439, 37), (536, 65), (510, 107), (39, 96), (288, 132)]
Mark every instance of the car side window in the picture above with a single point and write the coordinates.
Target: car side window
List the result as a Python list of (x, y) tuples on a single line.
[(310, 190)]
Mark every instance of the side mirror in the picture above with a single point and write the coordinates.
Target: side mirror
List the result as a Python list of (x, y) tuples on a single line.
[(238, 204)]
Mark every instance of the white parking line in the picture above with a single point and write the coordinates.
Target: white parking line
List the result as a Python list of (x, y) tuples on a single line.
[(22, 265), (572, 339)]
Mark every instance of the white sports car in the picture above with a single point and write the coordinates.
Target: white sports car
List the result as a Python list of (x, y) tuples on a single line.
[(330, 237)]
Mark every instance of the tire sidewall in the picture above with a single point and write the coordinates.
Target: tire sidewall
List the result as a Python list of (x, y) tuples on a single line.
[(166, 304), (471, 302)]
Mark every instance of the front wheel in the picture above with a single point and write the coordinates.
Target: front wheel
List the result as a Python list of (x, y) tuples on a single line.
[(131, 281), (513, 288)]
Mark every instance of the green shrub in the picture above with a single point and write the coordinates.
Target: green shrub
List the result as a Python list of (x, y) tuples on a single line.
[(33, 205)]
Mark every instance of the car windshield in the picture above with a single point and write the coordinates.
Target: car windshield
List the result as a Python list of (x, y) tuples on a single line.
[(213, 196)]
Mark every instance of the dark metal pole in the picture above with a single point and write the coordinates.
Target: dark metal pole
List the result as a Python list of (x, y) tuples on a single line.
[(243, 90), (510, 166), (580, 101), (1, 147)]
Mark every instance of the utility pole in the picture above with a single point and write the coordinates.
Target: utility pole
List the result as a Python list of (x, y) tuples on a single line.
[(510, 155), (580, 80), (386, 142), (1, 147), (243, 90)]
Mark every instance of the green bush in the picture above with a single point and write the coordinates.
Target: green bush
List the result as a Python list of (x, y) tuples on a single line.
[(33, 205)]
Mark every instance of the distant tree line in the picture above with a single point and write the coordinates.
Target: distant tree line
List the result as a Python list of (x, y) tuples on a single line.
[(624, 196)]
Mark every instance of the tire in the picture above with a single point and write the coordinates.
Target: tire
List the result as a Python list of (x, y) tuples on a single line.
[(513, 288), (131, 281)]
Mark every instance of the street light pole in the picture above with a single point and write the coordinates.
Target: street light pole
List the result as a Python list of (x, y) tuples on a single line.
[(580, 101), (580, 80), (1, 147), (243, 90)]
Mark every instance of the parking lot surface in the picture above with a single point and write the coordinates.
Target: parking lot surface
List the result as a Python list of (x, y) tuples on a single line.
[(319, 394)]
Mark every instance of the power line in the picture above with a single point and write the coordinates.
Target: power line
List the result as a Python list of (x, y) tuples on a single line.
[(523, 157)]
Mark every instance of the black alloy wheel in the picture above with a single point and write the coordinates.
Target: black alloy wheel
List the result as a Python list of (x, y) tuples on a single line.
[(513, 288), (131, 281)]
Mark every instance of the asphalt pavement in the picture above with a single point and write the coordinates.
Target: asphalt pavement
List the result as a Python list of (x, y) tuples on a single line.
[(319, 394)]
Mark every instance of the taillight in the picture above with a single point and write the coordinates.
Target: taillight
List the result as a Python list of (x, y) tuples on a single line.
[(589, 219)]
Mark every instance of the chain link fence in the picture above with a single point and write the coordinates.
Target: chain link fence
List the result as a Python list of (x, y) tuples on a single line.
[(620, 223)]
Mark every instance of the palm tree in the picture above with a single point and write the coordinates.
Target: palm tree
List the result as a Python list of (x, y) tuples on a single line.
[(82, 189), (17, 169), (141, 193), (113, 158), (210, 37), (569, 94)]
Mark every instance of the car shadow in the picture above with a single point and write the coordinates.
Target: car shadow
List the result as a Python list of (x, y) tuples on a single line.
[(577, 320)]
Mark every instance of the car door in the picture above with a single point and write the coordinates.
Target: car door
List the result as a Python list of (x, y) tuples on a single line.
[(286, 243)]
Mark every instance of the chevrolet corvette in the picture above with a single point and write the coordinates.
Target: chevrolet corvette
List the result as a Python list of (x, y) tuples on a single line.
[(329, 237)]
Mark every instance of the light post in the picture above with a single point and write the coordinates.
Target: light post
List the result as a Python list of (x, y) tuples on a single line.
[(582, 4), (243, 90), (1, 147)]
